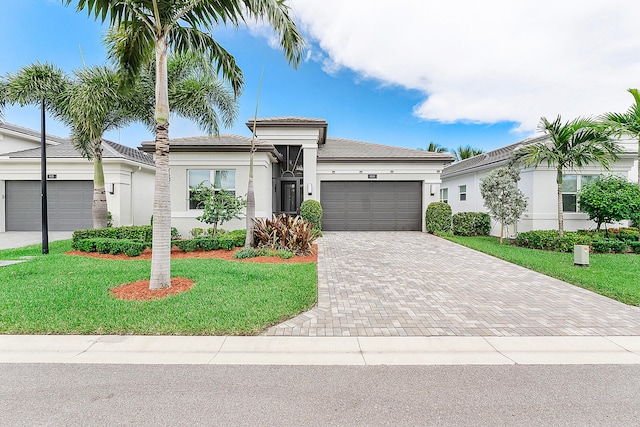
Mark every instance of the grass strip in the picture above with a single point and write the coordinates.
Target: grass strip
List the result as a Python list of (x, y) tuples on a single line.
[(616, 276)]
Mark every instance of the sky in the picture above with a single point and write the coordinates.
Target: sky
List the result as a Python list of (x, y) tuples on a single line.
[(456, 72)]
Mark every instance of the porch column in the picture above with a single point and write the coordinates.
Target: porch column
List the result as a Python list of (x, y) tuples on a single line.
[(310, 158)]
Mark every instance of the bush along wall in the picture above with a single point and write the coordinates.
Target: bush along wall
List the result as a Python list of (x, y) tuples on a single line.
[(616, 241), (226, 241), (143, 233), (311, 211), (471, 224), (438, 218)]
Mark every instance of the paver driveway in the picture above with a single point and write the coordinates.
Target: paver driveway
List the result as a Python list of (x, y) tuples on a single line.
[(416, 284)]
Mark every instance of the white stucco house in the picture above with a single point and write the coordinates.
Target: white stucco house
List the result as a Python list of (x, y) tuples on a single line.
[(460, 187), (361, 186), (129, 175)]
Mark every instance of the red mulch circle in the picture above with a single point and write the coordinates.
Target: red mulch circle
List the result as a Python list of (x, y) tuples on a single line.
[(139, 291)]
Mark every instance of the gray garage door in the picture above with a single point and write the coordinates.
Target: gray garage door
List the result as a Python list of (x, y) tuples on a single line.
[(371, 205), (69, 205)]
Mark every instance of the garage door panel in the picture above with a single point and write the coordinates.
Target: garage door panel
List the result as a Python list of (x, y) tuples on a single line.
[(69, 205), (371, 205)]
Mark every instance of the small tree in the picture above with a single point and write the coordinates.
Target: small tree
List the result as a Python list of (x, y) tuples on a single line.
[(219, 206), (502, 197), (610, 198)]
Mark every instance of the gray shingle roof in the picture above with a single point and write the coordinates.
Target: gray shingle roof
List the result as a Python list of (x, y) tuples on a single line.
[(224, 142), (30, 132), (65, 149), (345, 150), (288, 120), (499, 155)]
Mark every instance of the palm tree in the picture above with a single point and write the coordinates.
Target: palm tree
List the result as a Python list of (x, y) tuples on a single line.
[(574, 144), (465, 152), (91, 106), (38, 84), (3, 96), (627, 122), (436, 148), (145, 26)]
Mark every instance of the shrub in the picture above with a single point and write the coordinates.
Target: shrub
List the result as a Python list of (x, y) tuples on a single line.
[(471, 224), (111, 246), (109, 219), (196, 232), (188, 245), (232, 239), (609, 245), (549, 240), (311, 211), (438, 218), (635, 247), (143, 233), (255, 252), (284, 232), (537, 239), (219, 206)]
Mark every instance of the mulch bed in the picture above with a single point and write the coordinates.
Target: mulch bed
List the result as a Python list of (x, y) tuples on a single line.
[(139, 290), (218, 254)]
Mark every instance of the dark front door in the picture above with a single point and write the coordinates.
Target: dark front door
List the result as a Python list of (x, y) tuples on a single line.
[(288, 195)]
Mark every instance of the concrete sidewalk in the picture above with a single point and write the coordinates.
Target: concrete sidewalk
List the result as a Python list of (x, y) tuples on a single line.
[(234, 350), (18, 239)]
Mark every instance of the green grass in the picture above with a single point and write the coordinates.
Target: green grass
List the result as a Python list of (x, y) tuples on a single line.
[(63, 294), (615, 276)]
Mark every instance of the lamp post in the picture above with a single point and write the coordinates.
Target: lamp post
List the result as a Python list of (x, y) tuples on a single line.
[(43, 180)]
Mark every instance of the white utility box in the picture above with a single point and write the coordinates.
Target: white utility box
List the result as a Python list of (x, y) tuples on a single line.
[(581, 255)]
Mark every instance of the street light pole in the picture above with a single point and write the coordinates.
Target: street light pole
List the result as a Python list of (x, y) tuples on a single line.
[(43, 181)]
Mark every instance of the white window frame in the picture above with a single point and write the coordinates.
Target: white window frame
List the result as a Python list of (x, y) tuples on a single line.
[(444, 195), (462, 190), (212, 173), (579, 185)]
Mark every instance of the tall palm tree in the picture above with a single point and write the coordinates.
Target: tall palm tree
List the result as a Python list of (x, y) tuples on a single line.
[(572, 145), (436, 148), (146, 26), (465, 152), (38, 84), (627, 122)]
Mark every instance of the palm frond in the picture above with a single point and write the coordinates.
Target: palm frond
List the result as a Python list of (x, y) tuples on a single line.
[(36, 82)]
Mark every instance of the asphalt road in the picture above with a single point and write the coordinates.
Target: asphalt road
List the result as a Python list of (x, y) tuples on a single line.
[(67, 394)]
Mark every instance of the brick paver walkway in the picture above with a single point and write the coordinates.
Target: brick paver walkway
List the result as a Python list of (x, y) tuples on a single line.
[(415, 284)]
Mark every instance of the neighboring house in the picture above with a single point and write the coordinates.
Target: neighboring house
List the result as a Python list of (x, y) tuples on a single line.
[(129, 176), (461, 187), (361, 186)]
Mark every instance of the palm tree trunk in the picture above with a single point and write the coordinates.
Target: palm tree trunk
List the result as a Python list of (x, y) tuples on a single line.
[(251, 207), (501, 229), (560, 207), (161, 256), (99, 208)]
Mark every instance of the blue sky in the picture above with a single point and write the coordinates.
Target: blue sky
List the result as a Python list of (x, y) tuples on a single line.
[(418, 74)]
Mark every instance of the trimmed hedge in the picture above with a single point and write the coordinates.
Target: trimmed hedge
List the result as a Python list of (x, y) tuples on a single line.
[(438, 218), (226, 241), (620, 241), (471, 224), (143, 233), (111, 246), (311, 211)]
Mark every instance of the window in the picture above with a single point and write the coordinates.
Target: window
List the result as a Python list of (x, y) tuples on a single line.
[(463, 192), (444, 195), (571, 185), (221, 179)]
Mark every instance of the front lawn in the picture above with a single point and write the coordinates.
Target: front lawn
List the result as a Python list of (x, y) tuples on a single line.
[(616, 276), (62, 294)]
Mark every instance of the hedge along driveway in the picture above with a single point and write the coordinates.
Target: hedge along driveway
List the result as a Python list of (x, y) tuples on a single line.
[(62, 294)]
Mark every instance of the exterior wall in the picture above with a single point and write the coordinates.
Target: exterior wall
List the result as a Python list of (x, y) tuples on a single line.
[(116, 172), (184, 219), (11, 141), (540, 188), (428, 173)]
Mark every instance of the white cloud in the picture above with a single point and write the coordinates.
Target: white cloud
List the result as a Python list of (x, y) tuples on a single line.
[(488, 61)]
